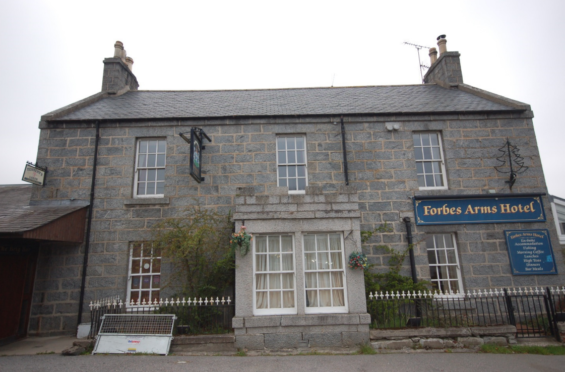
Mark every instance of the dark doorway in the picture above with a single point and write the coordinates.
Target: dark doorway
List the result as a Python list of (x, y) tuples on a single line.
[(17, 273)]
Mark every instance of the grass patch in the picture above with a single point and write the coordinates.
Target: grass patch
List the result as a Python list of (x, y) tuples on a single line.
[(366, 349), (241, 353), (88, 351), (538, 350)]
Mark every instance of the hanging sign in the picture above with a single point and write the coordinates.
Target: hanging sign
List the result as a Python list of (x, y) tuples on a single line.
[(34, 174), (530, 252), (465, 210), (196, 147)]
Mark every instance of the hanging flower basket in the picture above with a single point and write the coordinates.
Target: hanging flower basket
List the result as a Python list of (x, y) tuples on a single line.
[(240, 241), (358, 260)]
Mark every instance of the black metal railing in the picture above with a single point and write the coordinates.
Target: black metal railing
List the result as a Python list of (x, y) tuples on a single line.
[(533, 311), (194, 316)]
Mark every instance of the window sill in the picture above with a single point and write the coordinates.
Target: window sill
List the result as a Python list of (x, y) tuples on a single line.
[(146, 201)]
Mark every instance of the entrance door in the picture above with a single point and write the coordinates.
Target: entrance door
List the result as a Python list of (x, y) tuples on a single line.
[(16, 275)]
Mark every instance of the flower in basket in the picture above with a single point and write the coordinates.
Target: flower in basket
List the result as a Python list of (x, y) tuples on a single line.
[(240, 241), (358, 260)]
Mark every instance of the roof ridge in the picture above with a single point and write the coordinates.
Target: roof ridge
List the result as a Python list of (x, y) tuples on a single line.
[(272, 89)]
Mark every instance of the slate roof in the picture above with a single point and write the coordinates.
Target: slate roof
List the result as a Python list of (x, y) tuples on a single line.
[(17, 216), (415, 99)]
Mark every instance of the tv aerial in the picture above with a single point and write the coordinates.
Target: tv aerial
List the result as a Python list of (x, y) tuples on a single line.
[(422, 66)]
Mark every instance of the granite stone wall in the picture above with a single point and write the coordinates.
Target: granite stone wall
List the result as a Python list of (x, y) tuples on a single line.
[(242, 154)]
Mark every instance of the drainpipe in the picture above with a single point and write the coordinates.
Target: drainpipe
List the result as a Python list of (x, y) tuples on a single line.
[(412, 268), (344, 153), (411, 251), (88, 225)]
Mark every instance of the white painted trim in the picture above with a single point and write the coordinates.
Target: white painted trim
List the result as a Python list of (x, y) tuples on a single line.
[(326, 309), (556, 219), (457, 264), (442, 162), (280, 311), (135, 170), (305, 160)]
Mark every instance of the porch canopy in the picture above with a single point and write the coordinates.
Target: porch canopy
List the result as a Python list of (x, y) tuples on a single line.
[(20, 220)]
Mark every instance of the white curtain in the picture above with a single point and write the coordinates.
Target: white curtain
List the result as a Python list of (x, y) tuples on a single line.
[(274, 290), (261, 279), (337, 282)]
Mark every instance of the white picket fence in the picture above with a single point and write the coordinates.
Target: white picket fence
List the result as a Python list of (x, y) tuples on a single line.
[(525, 291)]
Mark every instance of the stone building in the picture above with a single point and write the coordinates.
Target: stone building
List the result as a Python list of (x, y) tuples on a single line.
[(276, 161)]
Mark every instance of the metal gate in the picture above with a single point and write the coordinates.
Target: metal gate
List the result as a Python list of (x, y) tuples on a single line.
[(535, 312)]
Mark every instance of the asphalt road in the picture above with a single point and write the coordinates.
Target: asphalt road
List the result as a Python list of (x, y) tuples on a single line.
[(311, 363)]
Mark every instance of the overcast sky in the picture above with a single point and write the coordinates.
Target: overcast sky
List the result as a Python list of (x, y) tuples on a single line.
[(52, 54)]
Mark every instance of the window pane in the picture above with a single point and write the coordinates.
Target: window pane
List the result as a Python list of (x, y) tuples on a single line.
[(275, 300), (274, 244), (323, 261), (418, 153), (300, 157), (419, 168), (291, 157), (287, 264), (311, 280), (322, 241), (281, 143), (288, 299), (310, 261), (301, 183), (282, 171), (300, 143), (261, 300), (290, 145), (336, 261), (146, 281), (430, 181), (142, 160), (156, 281), (324, 280), (261, 243), (427, 153), (156, 265), (301, 171), (151, 160), (261, 262), (427, 167), (150, 188), (288, 281), (152, 147), (309, 242), (135, 282), (142, 175), (160, 174), (136, 251), (335, 242), (438, 180), (421, 181), (292, 184), (286, 244), (435, 153), (274, 262), (311, 298), (146, 266), (161, 160), (143, 147), (338, 297), (432, 257), (282, 182), (337, 280), (416, 138), (325, 298), (433, 139), (274, 281), (282, 157), (162, 145), (292, 171), (160, 188), (425, 139)]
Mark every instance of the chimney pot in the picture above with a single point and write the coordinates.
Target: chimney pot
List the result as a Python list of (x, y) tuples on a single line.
[(129, 62), (118, 49), (441, 44), (433, 56)]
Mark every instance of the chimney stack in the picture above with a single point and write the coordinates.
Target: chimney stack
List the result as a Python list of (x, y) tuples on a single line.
[(118, 77), (444, 71), (433, 56)]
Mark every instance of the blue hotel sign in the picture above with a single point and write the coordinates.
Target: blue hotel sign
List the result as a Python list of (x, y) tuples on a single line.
[(530, 252), (488, 209)]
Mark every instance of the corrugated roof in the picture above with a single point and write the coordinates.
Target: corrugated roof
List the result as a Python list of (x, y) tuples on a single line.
[(285, 102), (17, 216)]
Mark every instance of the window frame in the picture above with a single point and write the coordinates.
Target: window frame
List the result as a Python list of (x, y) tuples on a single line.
[(282, 310), (137, 168), (556, 201), (299, 192), (457, 265), (141, 274), (326, 309), (442, 162)]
